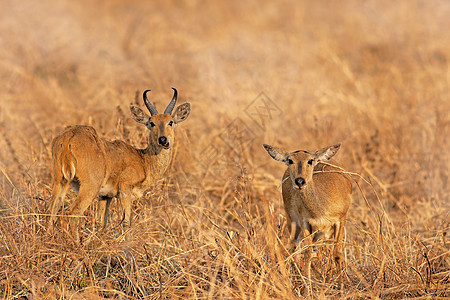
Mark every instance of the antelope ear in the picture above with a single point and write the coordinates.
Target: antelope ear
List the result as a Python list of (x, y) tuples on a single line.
[(276, 153), (326, 153), (139, 115), (181, 113)]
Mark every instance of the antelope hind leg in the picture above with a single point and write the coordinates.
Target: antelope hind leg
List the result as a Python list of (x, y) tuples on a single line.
[(85, 197), (56, 202), (103, 211)]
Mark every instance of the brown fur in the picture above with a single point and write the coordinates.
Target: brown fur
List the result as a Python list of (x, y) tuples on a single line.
[(100, 168), (320, 205)]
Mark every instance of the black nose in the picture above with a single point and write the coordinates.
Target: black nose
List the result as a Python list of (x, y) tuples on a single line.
[(162, 141), (300, 181)]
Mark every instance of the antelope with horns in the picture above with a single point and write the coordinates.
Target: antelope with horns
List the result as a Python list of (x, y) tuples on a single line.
[(316, 196), (99, 168)]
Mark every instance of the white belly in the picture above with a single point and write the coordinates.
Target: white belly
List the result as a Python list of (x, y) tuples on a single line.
[(107, 190)]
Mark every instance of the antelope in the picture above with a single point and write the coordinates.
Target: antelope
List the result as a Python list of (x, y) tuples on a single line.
[(98, 168), (316, 197)]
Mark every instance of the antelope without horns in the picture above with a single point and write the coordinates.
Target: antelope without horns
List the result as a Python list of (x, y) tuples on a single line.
[(98, 168), (316, 196)]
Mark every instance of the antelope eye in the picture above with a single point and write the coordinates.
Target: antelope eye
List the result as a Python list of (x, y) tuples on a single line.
[(310, 162), (170, 123), (152, 124), (290, 161)]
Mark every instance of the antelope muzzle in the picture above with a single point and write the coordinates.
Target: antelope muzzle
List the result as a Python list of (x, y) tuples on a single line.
[(300, 182), (163, 141)]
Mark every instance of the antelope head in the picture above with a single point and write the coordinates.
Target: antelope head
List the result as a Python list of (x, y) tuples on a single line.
[(161, 126), (301, 163)]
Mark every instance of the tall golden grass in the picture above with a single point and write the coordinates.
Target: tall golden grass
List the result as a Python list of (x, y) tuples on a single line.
[(373, 75)]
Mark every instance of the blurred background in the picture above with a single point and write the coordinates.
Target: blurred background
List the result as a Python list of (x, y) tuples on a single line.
[(369, 74), (373, 75)]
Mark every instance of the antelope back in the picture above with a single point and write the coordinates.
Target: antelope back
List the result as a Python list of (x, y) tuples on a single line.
[(105, 169)]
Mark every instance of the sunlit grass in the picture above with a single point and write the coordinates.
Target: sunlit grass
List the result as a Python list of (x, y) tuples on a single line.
[(371, 75)]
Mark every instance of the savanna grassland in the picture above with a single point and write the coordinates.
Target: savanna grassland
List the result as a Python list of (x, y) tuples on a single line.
[(373, 75)]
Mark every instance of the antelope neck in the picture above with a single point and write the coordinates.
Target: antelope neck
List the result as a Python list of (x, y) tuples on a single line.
[(153, 150)]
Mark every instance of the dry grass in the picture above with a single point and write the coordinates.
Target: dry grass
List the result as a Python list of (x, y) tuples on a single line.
[(373, 75)]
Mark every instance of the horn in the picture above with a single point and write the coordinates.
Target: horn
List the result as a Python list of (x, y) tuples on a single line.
[(150, 106), (172, 103)]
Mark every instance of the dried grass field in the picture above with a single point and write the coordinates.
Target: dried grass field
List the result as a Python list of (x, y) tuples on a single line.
[(373, 75)]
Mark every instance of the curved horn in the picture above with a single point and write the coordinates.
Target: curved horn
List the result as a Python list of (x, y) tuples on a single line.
[(150, 106), (172, 103)]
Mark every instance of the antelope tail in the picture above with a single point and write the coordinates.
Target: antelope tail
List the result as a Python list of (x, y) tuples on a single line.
[(67, 162)]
